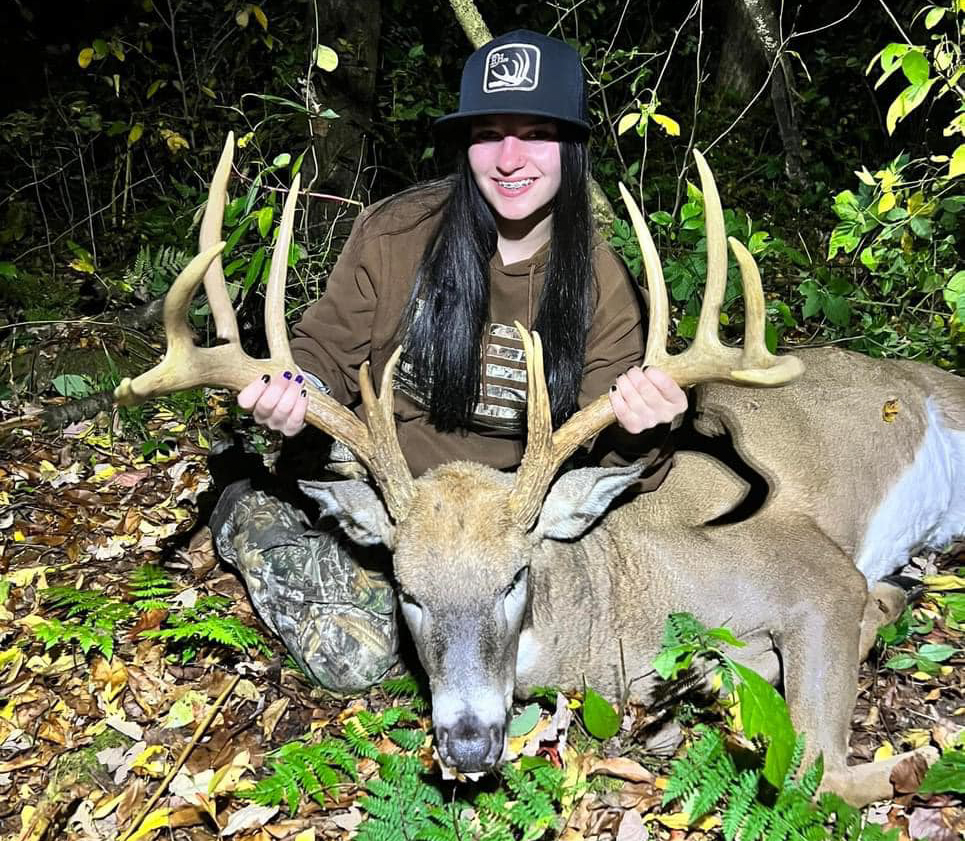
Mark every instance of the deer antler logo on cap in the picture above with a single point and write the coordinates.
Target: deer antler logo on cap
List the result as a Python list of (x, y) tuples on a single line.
[(512, 67)]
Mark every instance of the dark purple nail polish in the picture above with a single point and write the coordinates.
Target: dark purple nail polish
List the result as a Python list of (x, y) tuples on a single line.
[(613, 388), (287, 375), (265, 378), (299, 379), (304, 393)]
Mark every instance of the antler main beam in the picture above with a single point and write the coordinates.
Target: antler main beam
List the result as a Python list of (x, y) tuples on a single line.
[(185, 365), (706, 359)]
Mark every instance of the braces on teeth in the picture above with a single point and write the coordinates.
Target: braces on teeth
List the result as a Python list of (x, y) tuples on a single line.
[(516, 185)]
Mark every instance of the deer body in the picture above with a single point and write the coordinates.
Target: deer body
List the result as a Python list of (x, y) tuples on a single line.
[(512, 581)]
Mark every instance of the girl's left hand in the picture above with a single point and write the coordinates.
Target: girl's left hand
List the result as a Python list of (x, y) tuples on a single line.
[(643, 399)]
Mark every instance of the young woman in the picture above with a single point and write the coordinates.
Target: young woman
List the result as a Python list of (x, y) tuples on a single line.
[(446, 269)]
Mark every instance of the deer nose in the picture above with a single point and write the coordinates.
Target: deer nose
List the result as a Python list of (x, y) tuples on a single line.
[(471, 745)]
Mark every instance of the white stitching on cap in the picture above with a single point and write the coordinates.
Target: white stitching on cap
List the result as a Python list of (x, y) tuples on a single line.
[(518, 70)]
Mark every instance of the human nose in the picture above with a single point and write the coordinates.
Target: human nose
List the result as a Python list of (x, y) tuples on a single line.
[(510, 154)]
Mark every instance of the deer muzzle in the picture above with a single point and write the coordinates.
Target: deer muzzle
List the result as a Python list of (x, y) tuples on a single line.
[(471, 744)]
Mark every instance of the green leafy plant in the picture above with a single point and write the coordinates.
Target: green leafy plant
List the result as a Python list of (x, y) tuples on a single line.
[(946, 775), (707, 778), (204, 624), (91, 620), (94, 621), (928, 658), (763, 711)]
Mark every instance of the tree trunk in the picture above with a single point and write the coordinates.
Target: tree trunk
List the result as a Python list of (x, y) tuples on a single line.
[(765, 24), (351, 28), (740, 71)]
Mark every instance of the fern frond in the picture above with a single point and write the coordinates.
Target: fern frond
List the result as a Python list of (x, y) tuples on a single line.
[(742, 798)]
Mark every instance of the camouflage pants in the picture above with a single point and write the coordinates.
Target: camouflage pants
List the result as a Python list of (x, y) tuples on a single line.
[(326, 598)]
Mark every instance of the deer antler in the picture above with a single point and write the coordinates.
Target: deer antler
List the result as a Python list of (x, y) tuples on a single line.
[(706, 359), (185, 365)]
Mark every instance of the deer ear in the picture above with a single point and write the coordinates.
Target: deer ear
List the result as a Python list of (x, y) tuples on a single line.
[(357, 507), (579, 498)]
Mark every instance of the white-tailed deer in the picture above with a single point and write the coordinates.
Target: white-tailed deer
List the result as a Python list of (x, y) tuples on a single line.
[(513, 581)]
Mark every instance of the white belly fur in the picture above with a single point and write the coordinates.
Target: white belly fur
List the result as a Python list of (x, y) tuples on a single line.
[(925, 508)]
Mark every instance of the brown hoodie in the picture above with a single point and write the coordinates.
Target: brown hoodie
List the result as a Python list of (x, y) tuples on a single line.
[(359, 315)]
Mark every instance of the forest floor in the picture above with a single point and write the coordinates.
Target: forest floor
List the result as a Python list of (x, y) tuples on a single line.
[(95, 713)]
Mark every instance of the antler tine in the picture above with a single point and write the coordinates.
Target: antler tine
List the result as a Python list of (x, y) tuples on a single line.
[(760, 366), (226, 325), (538, 466), (276, 327), (171, 373), (716, 283), (384, 458), (227, 365)]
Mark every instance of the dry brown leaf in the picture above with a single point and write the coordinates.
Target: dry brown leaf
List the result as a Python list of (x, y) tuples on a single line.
[(625, 769), (108, 677), (349, 820), (907, 775), (272, 715)]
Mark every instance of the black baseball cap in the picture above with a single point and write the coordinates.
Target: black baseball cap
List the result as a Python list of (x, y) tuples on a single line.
[(522, 72)]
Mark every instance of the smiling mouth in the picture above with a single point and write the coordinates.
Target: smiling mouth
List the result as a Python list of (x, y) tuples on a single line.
[(522, 184)]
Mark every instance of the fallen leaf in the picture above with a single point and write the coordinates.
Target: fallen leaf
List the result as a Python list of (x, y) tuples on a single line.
[(272, 715), (131, 729), (625, 769), (907, 775), (349, 820), (153, 821), (885, 751), (632, 828), (935, 824), (251, 816)]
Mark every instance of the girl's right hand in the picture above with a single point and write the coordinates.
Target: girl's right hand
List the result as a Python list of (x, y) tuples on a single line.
[(278, 402)]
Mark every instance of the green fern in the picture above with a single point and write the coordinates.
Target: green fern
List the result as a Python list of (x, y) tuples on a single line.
[(707, 778), (155, 271), (315, 770), (408, 688), (90, 621), (150, 588), (227, 631)]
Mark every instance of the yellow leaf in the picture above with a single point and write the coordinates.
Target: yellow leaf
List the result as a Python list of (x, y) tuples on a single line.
[(887, 202), (85, 57), (155, 820), (135, 134), (306, 835), (678, 820), (923, 676), (886, 751), (241, 18), (944, 582), (18, 536), (627, 122), (143, 760), (916, 737), (890, 411), (260, 17), (956, 166), (669, 125), (865, 177), (104, 473), (245, 139), (82, 264), (326, 58), (104, 809), (709, 822)]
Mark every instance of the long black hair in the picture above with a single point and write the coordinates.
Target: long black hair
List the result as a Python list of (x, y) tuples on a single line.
[(449, 307)]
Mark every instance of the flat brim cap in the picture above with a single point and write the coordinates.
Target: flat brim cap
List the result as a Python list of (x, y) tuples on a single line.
[(521, 72)]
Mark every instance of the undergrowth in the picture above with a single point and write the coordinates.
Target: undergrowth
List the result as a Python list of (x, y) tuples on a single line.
[(94, 621)]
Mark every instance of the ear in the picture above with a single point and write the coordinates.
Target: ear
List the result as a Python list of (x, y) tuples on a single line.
[(357, 507), (580, 497)]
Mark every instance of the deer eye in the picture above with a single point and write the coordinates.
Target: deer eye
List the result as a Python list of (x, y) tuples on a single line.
[(514, 597)]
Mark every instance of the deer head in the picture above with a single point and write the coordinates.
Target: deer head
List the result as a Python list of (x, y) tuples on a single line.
[(464, 536)]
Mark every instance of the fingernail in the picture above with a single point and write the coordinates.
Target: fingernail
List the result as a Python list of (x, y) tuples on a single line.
[(265, 378), (299, 379), (287, 375), (613, 388), (304, 393)]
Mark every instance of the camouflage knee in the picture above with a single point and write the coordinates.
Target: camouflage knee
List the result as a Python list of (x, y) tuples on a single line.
[(327, 599)]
